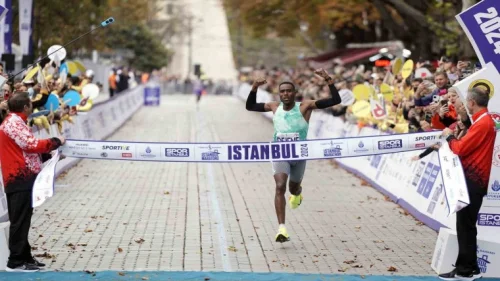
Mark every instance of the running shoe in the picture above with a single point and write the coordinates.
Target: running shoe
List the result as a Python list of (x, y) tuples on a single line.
[(295, 200), (282, 235)]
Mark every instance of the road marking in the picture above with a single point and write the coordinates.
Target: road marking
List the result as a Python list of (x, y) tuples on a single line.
[(221, 230)]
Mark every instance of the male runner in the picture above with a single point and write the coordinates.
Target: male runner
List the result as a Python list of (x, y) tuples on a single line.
[(199, 87), (291, 122)]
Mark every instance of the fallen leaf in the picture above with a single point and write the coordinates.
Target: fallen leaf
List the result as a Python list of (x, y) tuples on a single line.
[(392, 269), (378, 241), (88, 230), (349, 262), (341, 270), (371, 265), (232, 248), (82, 244), (364, 183), (357, 266), (206, 278), (420, 223), (45, 255), (89, 271), (386, 248), (120, 250), (145, 278), (166, 193), (121, 273), (139, 241)]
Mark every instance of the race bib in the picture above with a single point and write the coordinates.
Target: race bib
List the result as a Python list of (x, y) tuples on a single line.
[(287, 137)]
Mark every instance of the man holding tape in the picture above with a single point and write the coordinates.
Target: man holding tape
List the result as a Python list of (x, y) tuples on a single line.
[(291, 123), (475, 150), (20, 155)]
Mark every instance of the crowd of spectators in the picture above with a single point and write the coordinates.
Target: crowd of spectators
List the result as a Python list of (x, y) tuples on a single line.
[(420, 103), (53, 80)]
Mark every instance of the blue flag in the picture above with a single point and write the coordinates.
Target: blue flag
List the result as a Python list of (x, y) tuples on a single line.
[(481, 23)]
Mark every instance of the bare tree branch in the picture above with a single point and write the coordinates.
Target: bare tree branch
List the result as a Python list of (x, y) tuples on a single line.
[(388, 19), (409, 11)]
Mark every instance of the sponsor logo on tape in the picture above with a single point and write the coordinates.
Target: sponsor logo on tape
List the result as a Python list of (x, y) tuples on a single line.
[(148, 153), (420, 145), (390, 144), (177, 152), (115, 147), (211, 153)]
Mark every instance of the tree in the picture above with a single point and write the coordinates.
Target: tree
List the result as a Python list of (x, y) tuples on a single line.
[(425, 27), (148, 51), (60, 21)]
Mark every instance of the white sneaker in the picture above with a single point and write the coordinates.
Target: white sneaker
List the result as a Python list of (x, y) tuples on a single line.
[(23, 268)]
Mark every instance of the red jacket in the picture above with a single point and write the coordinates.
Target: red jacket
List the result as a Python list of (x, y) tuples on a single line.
[(20, 153), (449, 118), (475, 149)]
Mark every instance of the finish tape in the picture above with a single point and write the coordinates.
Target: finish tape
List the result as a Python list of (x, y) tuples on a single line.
[(250, 151)]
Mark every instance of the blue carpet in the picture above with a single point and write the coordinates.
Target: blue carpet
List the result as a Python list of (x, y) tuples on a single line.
[(199, 276)]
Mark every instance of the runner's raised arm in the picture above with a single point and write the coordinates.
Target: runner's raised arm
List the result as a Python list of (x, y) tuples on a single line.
[(252, 104), (329, 102)]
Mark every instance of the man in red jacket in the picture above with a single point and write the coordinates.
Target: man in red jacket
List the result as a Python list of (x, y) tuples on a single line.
[(20, 155), (475, 150)]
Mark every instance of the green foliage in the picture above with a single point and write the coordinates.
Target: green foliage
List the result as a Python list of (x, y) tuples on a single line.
[(60, 21), (149, 52)]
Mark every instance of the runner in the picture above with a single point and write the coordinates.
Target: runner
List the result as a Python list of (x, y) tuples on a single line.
[(291, 123), (199, 87)]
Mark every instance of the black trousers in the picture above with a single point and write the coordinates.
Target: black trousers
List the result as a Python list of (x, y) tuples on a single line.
[(467, 230), (20, 212)]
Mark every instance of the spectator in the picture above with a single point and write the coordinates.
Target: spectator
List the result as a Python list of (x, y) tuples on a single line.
[(112, 83), (21, 162), (123, 77), (6, 92)]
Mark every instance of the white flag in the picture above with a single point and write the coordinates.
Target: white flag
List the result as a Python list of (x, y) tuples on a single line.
[(44, 183), (454, 183)]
